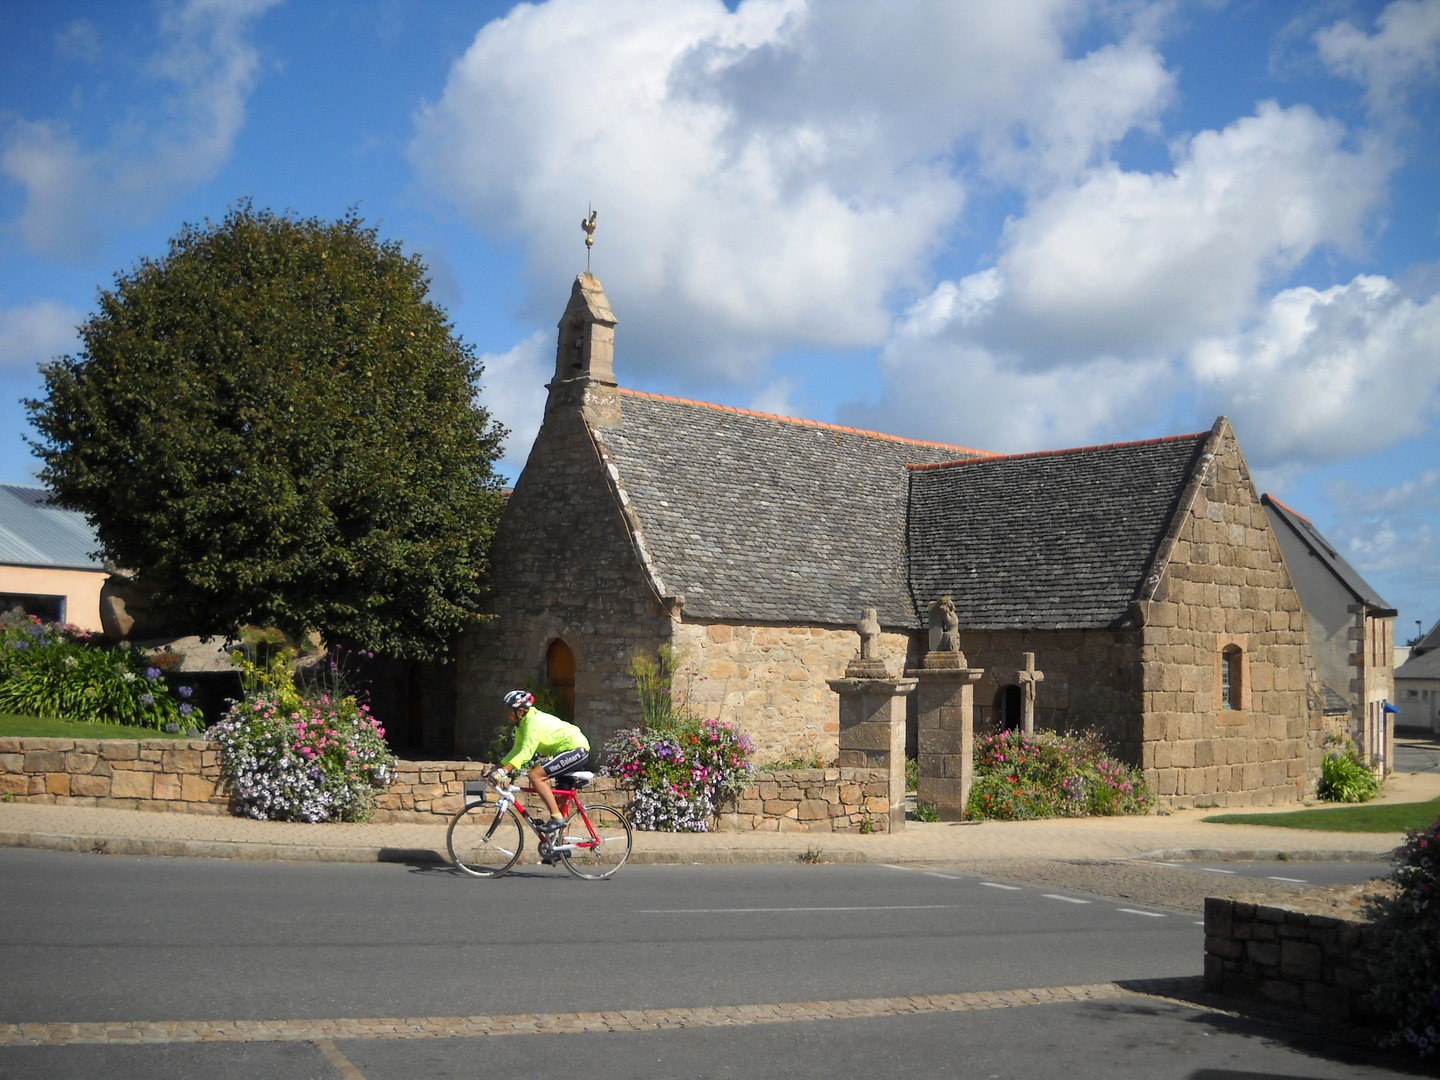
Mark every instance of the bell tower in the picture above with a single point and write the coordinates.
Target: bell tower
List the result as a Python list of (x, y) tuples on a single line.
[(585, 355)]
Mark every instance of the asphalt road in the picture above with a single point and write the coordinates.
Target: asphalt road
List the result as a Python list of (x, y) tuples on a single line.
[(91, 938), (1294, 872)]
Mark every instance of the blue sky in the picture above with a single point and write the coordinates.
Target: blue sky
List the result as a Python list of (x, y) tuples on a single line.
[(1011, 226)]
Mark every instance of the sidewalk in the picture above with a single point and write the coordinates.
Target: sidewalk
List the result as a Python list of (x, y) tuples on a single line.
[(1180, 834)]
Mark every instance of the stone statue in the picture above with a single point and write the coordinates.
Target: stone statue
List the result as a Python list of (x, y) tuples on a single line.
[(869, 629), (944, 626)]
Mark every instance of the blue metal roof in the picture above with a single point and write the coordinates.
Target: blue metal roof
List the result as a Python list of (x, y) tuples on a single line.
[(34, 533)]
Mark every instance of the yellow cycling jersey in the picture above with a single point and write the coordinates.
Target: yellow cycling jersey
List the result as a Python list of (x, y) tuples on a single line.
[(541, 733)]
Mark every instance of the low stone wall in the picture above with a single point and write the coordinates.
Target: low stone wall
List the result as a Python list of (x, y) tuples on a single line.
[(1317, 963), (813, 800), (184, 775), (128, 774)]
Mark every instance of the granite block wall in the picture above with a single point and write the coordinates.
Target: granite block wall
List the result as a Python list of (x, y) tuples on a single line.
[(1225, 584)]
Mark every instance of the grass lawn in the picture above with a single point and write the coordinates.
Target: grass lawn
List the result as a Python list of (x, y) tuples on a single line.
[(33, 727), (1387, 817)]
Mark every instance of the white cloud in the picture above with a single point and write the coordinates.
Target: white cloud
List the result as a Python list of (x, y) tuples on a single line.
[(1405, 49), (772, 175), (512, 387), (1105, 284), (1132, 263), (75, 193), (1327, 375), (32, 334), (774, 398), (1391, 532)]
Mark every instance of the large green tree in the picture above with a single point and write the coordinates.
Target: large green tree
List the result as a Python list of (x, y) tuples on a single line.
[(272, 424)]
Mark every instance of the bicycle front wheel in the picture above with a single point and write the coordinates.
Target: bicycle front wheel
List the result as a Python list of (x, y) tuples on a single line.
[(599, 838), (484, 842)]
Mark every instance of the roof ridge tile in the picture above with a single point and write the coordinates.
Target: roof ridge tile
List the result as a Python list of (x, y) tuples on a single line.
[(807, 423), (1066, 450)]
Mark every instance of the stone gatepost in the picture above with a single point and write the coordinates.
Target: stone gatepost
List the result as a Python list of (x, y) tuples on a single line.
[(946, 704), (872, 719)]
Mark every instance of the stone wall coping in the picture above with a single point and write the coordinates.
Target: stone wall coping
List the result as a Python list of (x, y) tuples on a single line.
[(888, 685), (19, 744), (938, 674)]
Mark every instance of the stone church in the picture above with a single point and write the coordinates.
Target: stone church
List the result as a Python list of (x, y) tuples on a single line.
[(1144, 577)]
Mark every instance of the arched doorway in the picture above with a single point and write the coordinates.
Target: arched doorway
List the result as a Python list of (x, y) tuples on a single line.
[(560, 677), (1008, 708)]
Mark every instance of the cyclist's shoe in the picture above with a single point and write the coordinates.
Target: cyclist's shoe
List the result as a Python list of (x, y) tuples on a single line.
[(550, 830)]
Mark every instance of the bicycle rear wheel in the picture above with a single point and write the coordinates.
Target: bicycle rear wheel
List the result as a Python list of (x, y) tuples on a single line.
[(484, 842), (600, 848)]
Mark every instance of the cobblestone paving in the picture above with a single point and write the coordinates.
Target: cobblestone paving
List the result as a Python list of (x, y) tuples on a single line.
[(1176, 889), (429, 1027)]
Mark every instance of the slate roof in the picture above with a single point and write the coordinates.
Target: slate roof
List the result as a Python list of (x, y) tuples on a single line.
[(34, 533), (1335, 702), (1060, 539), (1322, 549), (758, 517), (1424, 666)]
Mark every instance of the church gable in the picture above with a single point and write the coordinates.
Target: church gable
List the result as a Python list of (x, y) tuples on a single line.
[(1057, 540), (759, 518)]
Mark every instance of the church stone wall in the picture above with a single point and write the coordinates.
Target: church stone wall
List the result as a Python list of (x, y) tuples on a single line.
[(1226, 585), (770, 680), (562, 566), (1092, 680)]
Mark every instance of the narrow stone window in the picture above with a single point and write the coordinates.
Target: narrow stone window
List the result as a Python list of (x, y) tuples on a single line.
[(1230, 677), (560, 675)]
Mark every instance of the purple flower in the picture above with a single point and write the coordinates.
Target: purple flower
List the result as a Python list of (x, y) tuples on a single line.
[(184, 691), (186, 708), (152, 673), (147, 699)]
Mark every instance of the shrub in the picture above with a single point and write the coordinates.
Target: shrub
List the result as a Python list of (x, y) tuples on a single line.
[(1343, 776), (1407, 971), (927, 812), (1020, 777), (301, 754), (54, 671)]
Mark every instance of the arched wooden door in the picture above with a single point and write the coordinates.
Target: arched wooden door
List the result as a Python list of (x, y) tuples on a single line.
[(560, 675)]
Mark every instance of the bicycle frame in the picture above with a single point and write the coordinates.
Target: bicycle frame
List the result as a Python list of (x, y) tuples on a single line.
[(567, 803)]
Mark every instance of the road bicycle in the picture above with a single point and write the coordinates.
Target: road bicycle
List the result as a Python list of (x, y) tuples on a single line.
[(486, 837)]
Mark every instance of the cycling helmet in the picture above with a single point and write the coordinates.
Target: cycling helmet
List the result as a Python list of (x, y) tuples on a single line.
[(519, 699)]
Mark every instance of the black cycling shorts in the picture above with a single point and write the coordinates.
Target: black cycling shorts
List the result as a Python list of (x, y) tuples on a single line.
[(566, 760)]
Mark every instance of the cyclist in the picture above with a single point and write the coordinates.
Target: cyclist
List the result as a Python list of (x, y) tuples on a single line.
[(563, 745)]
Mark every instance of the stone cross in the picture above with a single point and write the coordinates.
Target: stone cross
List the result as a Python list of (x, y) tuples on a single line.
[(1028, 678)]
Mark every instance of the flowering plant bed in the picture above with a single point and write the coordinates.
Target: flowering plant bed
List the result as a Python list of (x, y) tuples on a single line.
[(294, 755), (54, 671), (1020, 776), (679, 775)]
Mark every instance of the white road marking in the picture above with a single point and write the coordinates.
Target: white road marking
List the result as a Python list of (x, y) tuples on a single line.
[(1067, 899), (997, 885), (755, 910), (1171, 865), (1212, 870), (947, 877), (1137, 911), (1292, 880)]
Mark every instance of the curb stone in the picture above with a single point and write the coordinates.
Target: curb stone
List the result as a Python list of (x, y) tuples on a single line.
[(258, 851)]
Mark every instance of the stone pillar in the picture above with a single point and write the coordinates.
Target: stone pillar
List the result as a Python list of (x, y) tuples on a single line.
[(946, 701), (872, 729)]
